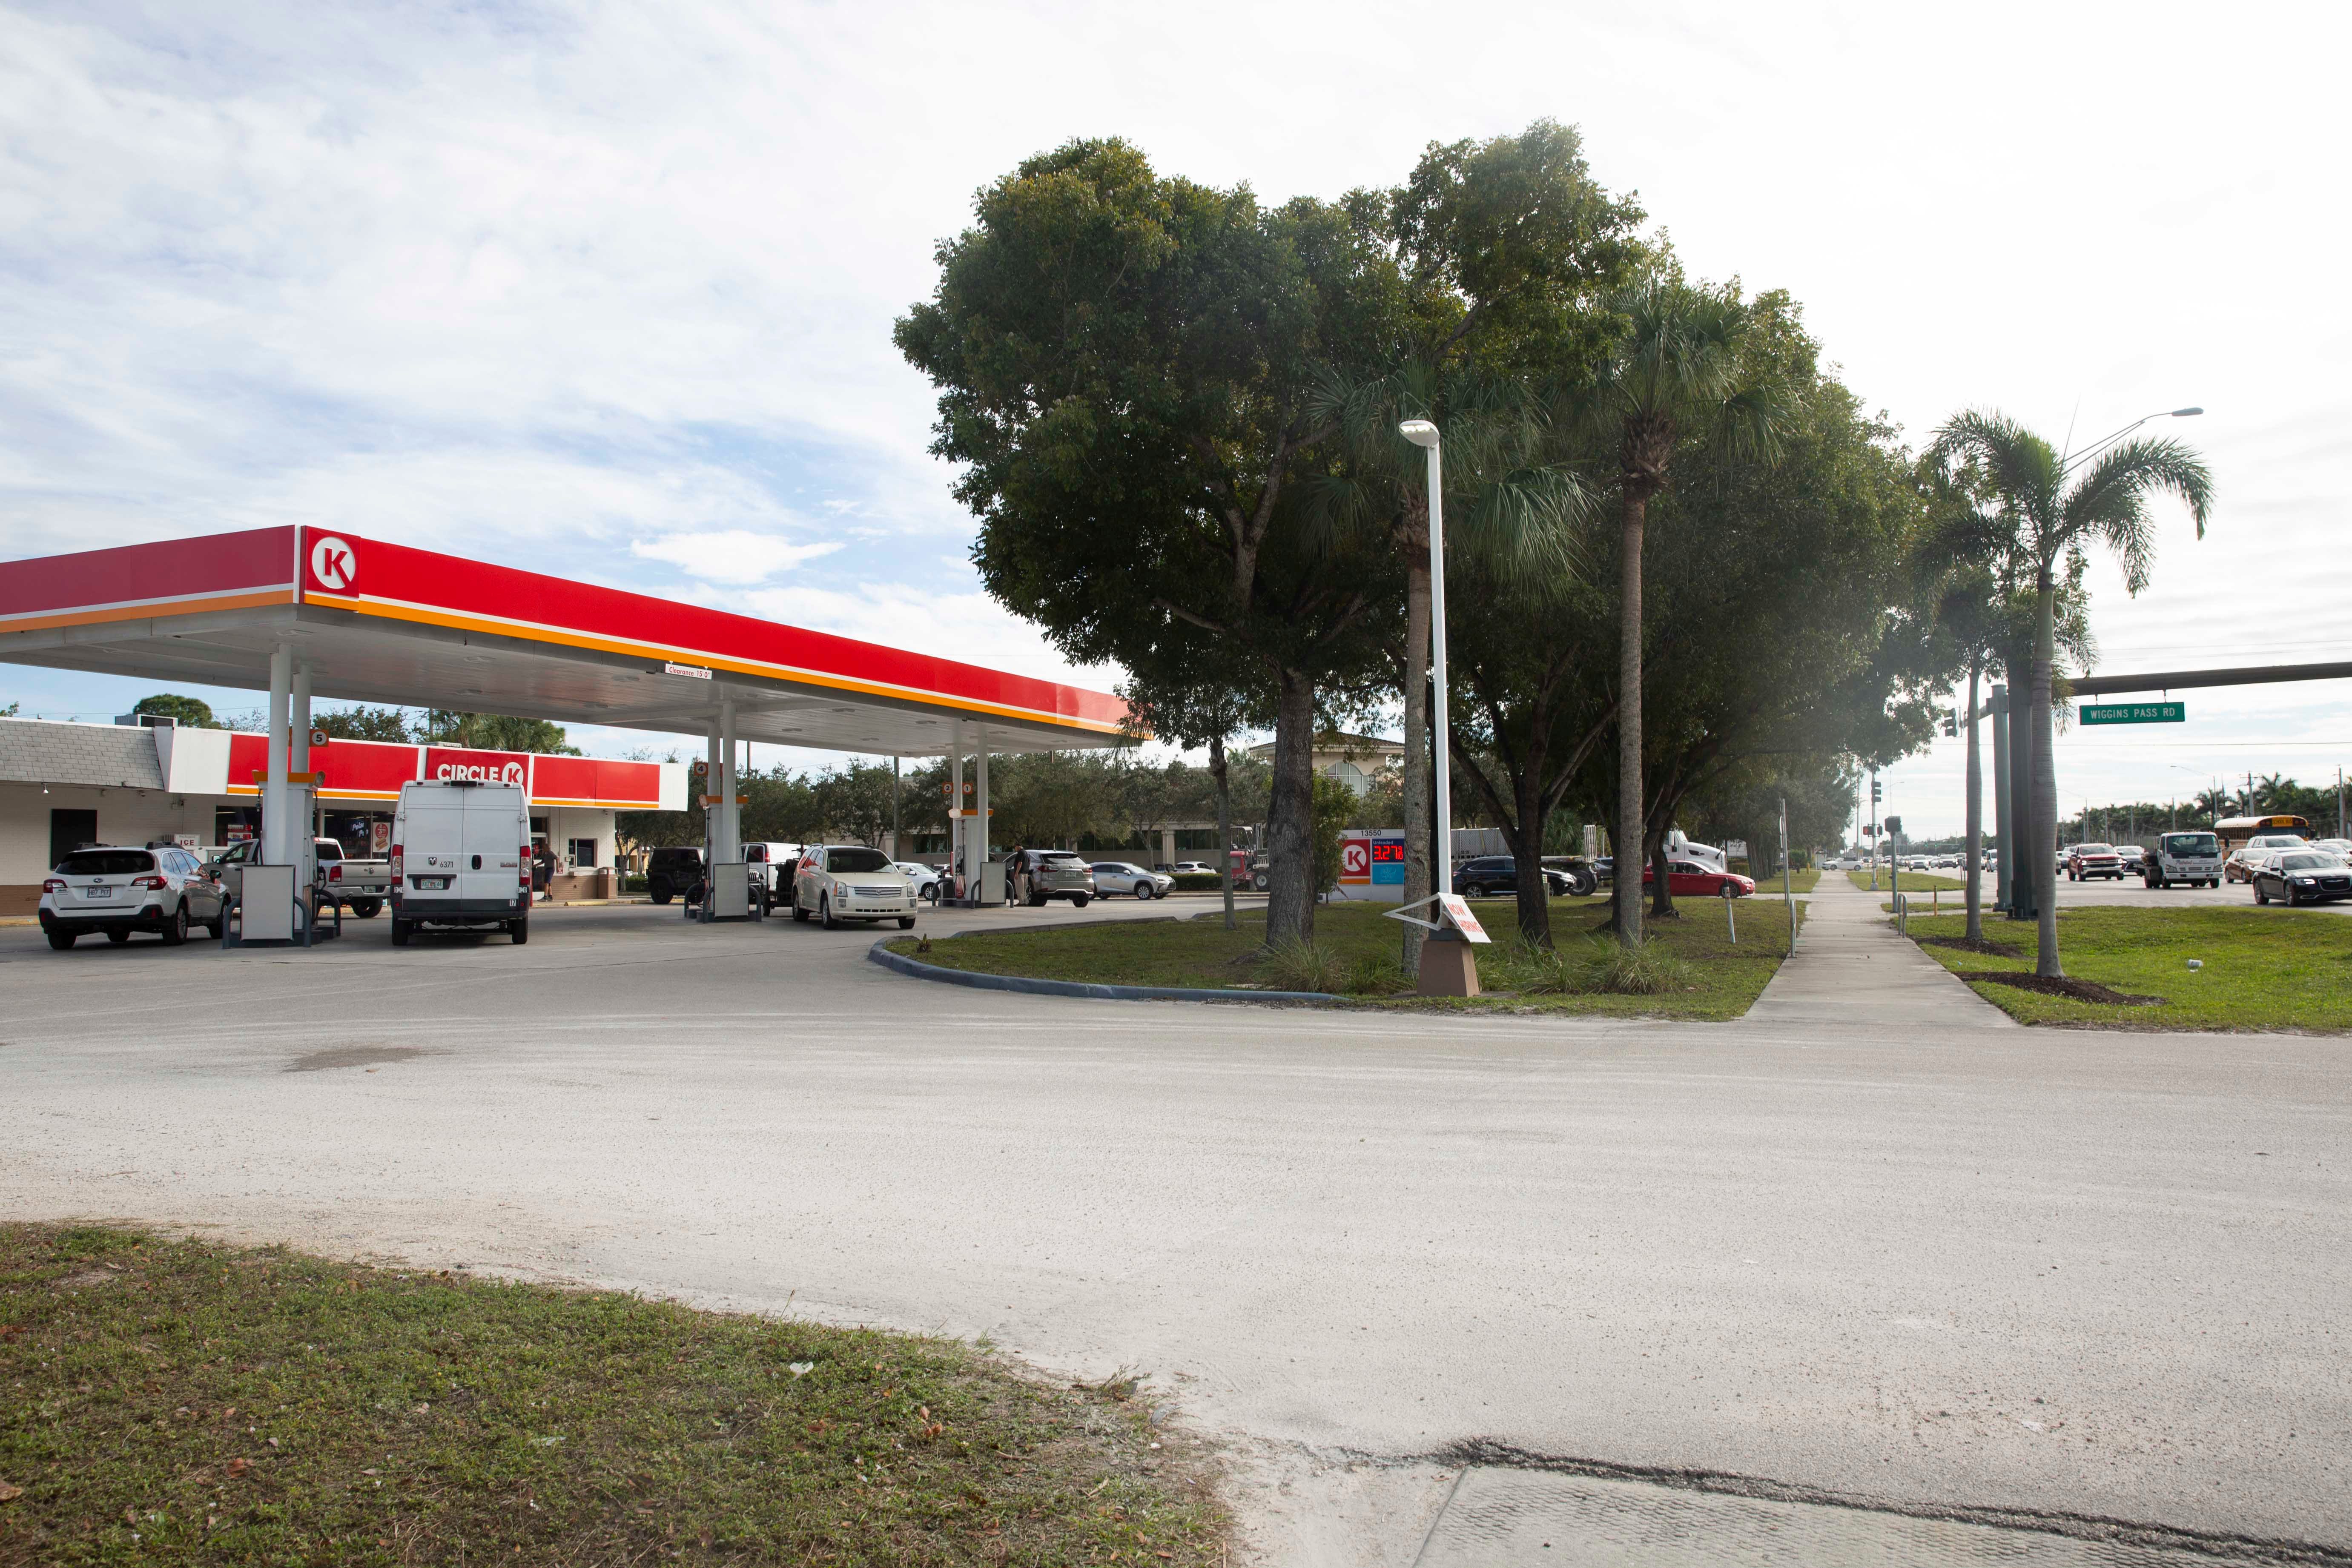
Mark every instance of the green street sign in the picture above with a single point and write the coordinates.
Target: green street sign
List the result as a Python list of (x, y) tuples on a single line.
[(2134, 713)]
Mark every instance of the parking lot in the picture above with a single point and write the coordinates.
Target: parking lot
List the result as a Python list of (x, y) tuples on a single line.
[(1996, 1268)]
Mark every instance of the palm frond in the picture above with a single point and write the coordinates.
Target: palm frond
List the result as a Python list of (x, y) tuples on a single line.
[(2110, 502)]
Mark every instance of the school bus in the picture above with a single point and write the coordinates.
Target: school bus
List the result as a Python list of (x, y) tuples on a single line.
[(2234, 831)]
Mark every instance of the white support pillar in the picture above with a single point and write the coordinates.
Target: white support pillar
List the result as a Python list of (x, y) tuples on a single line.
[(956, 835), (1168, 846), (710, 795), (980, 810), (298, 723), (731, 821), (298, 720), (277, 839)]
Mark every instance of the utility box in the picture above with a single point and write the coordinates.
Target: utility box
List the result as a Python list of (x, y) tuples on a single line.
[(728, 897), (991, 882)]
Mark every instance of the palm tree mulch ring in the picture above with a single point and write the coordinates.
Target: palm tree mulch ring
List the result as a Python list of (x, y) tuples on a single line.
[(1983, 944), (2055, 985)]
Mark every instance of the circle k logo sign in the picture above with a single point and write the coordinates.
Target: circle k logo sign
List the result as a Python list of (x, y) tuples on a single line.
[(333, 564)]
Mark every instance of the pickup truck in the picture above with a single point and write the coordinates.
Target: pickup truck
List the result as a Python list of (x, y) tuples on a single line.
[(361, 886)]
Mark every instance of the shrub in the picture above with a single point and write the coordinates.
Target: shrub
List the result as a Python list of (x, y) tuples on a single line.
[(1534, 972), (1303, 967), (1376, 974), (1645, 971)]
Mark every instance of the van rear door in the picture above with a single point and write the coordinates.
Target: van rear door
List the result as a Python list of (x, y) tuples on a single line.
[(431, 827), (492, 841)]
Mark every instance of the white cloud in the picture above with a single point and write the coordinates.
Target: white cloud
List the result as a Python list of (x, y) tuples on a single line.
[(736, 555), (540, 281)]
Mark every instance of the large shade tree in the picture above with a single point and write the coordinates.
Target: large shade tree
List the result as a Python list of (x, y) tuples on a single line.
[(2054, 508), (1127, 365)]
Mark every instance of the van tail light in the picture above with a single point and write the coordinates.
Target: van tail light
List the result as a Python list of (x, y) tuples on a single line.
[(522, 868), (155, 883), (395, 860)]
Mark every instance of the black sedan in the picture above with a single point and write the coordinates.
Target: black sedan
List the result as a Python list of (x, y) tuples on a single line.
[(2302, 879)]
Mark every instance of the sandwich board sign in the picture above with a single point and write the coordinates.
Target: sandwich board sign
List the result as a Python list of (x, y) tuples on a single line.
[(1457, 910)]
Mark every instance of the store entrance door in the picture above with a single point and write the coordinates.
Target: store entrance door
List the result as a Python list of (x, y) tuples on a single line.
[(70, 830)]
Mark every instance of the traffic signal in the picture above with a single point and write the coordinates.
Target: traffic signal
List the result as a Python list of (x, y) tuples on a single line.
[(1874, 791), (1952, 722)]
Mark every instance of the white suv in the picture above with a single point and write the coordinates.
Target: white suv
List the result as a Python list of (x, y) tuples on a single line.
[(842, 882), (118, 892)]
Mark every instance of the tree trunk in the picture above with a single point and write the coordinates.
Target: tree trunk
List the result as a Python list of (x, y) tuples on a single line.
[(1975, 812), (2021, 881), (1290, 814), (1218, 771), (1662, 893), (2045, 846), (1418, 765), (1526, 833), (1626, 894)]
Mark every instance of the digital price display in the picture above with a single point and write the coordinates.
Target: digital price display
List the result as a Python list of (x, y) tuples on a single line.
[(1387, 851)]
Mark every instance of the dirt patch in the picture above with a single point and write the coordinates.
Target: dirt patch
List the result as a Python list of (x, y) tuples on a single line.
[(2075, 990), (356, 1057), (1985, 945)]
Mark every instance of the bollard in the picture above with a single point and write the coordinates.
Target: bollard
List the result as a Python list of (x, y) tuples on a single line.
[(1730, 919)]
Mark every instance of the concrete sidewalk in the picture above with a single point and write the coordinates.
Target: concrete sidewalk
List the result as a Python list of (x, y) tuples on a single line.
[(1851, 968)]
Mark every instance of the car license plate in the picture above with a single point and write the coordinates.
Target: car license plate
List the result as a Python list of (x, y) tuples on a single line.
[(434, 884), (98, 892)]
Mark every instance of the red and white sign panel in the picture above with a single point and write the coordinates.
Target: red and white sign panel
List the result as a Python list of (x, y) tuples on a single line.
[(1457, 910), (442, 763), (375, 770)]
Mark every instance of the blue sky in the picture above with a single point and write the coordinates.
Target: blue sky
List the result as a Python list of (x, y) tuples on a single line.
[(607, 289)]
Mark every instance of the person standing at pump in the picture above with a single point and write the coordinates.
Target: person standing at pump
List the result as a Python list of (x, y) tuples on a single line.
[(1014, 862)]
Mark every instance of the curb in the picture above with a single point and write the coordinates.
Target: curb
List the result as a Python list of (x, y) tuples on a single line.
[(880, 953)]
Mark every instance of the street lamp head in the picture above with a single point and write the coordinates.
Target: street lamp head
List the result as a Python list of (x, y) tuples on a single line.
[(2186, 413), (1419, 432)]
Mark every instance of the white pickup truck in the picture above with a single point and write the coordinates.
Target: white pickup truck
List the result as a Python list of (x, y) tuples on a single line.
[(361, 886)]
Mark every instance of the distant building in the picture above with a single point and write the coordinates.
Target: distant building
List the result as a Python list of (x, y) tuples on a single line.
[(1354, 761)]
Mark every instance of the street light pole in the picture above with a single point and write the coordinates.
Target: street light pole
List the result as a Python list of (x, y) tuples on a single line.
[(2068, 465), (1423, 434)]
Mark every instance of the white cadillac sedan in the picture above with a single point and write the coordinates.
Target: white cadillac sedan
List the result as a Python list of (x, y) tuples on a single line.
[(838, 883)]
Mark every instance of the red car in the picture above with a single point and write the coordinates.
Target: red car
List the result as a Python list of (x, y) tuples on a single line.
[(1689, 880)]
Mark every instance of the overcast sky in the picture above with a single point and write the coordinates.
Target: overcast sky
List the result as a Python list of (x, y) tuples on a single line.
[(607, 291)]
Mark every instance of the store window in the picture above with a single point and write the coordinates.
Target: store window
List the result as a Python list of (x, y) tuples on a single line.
[(584, 854)]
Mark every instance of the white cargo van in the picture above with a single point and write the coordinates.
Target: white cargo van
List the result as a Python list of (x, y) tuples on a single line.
[(460, 857)]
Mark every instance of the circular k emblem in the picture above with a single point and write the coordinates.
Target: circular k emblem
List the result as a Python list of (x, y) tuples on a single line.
[(333, 564)]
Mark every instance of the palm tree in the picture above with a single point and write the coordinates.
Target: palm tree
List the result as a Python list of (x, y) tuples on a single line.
[(1679, 365), (2054, 510), (1511, 500)]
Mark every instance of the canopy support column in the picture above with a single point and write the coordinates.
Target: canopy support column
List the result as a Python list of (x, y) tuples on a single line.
[(979, 883), (277, 840)]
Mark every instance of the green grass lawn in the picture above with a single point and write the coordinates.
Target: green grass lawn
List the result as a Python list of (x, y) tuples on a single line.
[(1914, 882), (2263, 969), (1801, 881), (1359, 948), (179, 1403)]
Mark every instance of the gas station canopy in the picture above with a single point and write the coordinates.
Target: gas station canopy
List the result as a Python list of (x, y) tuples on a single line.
[(375, 622)]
